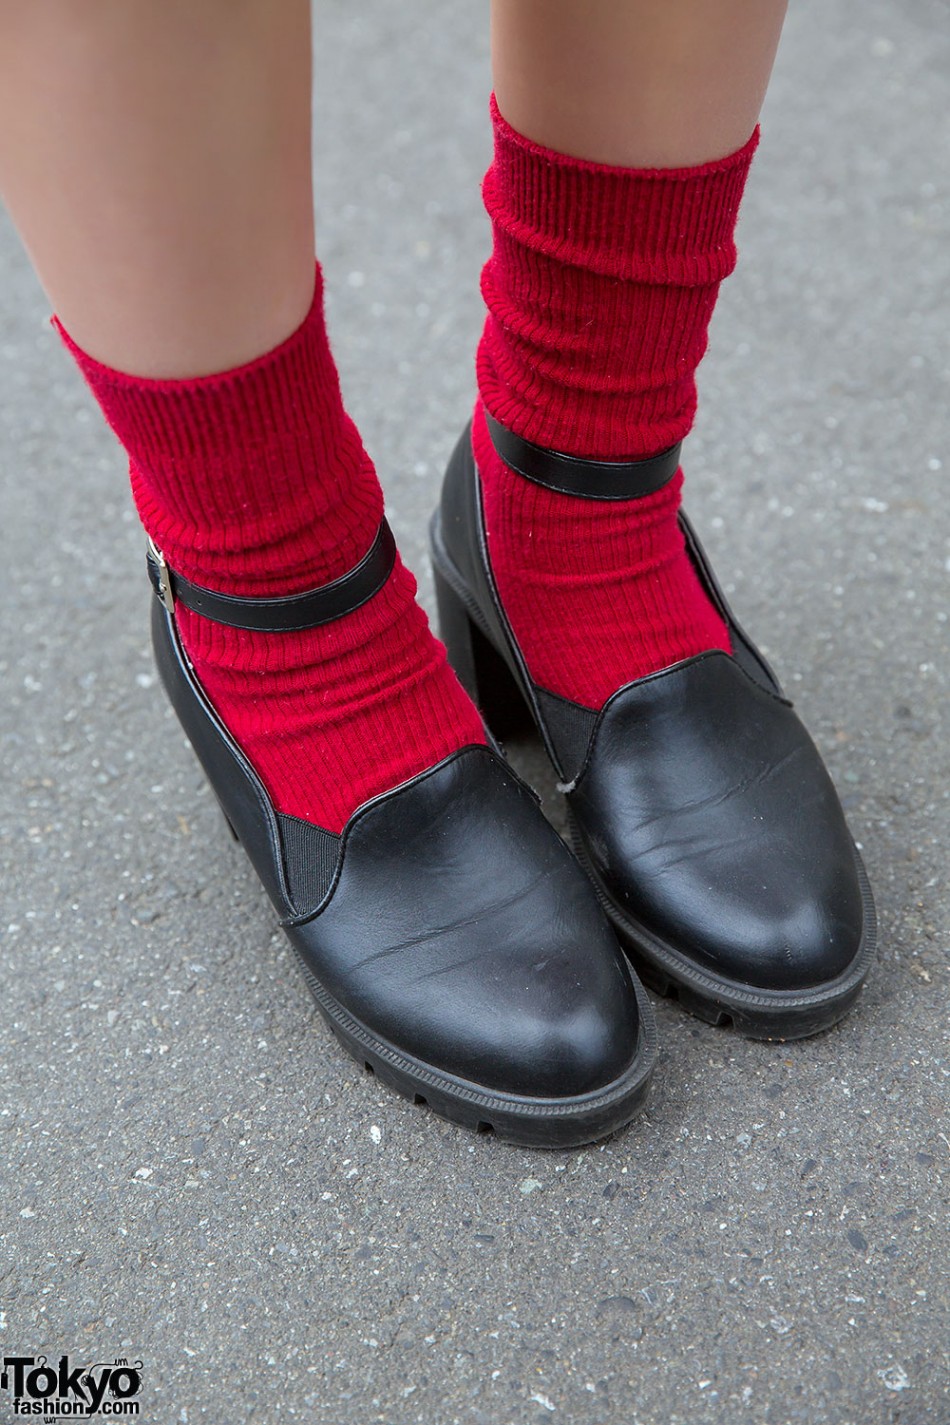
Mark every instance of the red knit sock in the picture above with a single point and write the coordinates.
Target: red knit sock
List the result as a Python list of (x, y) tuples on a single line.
[(255, 482), (599, 290)]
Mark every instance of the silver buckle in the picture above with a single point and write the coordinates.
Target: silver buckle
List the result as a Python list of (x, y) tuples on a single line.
[(164, 579)]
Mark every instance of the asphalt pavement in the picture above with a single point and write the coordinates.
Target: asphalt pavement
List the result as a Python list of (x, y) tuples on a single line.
[(192, 1173)]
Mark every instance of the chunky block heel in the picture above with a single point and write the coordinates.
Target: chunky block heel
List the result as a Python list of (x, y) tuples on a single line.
[(482, 671)]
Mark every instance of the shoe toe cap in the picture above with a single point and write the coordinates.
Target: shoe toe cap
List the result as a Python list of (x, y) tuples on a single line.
[(712, 822), (783, 929), (462, 932), (564, 1026)]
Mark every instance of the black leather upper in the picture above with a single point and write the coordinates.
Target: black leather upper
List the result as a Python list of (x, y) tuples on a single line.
[(448, 918), (704, 807), (460, 928), (714, 823)]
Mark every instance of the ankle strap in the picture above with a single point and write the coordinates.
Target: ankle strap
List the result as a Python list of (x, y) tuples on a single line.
[(283, 615), (593, 479)]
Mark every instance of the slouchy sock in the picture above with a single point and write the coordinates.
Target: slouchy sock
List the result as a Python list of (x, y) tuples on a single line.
[(255, 482), (600, 288)]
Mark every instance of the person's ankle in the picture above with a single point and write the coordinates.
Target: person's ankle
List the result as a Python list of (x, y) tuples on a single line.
[(599, 593)]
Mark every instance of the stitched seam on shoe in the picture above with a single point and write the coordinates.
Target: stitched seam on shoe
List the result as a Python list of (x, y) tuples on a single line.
[(655, 677), (258, 790)]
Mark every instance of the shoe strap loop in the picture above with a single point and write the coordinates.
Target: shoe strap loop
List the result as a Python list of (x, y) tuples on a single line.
[(592, 479), (282, 615)]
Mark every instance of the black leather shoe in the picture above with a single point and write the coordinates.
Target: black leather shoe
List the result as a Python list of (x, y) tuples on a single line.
[(699, 806), (450, 940)]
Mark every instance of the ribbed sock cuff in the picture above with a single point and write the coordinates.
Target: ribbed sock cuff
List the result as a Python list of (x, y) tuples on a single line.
[(643, 224), (253, 480), (599, 290)]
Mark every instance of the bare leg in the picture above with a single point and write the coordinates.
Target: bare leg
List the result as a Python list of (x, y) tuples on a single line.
[(155, 155), (635, 83)]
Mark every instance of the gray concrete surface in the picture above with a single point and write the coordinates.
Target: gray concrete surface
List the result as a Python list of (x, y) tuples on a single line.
[(191, 1172)]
